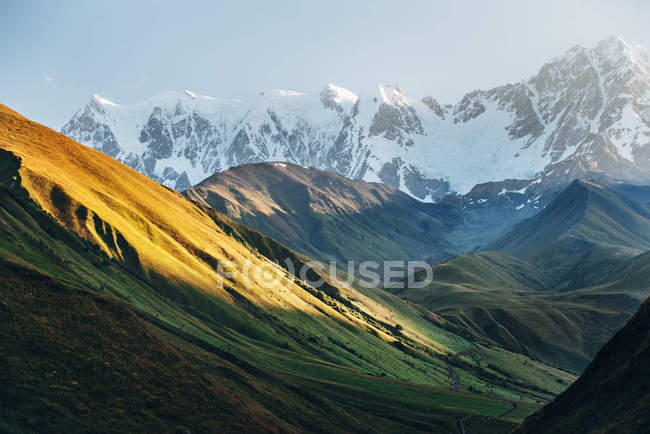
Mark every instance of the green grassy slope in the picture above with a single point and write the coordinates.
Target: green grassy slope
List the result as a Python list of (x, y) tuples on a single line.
[(556, 292), (76, 361), (611, 396), (491, 269), (496, 298), (585, 216), (290, 355)]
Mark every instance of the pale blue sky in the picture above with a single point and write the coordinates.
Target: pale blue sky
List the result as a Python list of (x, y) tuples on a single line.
[(55, 55)]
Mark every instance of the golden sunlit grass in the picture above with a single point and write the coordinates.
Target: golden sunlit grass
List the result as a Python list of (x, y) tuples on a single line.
[(164, 228)]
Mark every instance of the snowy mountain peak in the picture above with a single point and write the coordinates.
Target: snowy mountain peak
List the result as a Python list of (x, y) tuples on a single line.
[(585, 112), (103, 101), (613, 42), (392, 94), (612, 52), (279, 93), (340, 94), (613, 47)]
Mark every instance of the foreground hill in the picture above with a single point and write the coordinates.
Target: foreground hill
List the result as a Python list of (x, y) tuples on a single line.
[(327, 216), (74, 361), (100, 263), (611, 396)]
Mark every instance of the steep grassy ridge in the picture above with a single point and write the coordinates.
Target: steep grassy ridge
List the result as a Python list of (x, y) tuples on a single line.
[(611, 396)]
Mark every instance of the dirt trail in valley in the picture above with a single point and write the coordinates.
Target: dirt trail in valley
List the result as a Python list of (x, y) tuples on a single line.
[(453, 377)]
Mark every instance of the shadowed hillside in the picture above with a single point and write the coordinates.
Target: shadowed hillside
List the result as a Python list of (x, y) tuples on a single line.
[(327, 216), (586, 216), (611, 396), (496, 298)]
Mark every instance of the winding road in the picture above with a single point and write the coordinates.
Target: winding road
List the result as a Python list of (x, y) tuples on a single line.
[(453, 377)]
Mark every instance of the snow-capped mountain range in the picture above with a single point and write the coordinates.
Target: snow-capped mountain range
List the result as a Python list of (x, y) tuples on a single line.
[(586, 112)]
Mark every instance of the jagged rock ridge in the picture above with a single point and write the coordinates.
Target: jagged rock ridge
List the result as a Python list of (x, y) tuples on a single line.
[(584, 113)]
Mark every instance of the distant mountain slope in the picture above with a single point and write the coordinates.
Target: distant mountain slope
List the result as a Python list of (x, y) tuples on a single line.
[(611, 396), (214, 292), (584, 217), (493, 269), (496, 298), (327, 216), (584, 112)]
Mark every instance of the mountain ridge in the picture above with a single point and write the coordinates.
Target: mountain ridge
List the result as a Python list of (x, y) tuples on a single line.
[(585, 216), (327, 216), (585, 111), (579, 270)]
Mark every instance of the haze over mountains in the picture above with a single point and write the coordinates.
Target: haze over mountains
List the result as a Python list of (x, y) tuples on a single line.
[(583, 113)]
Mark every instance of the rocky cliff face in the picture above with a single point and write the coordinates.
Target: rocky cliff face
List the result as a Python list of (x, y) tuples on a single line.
[(586, 113)]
